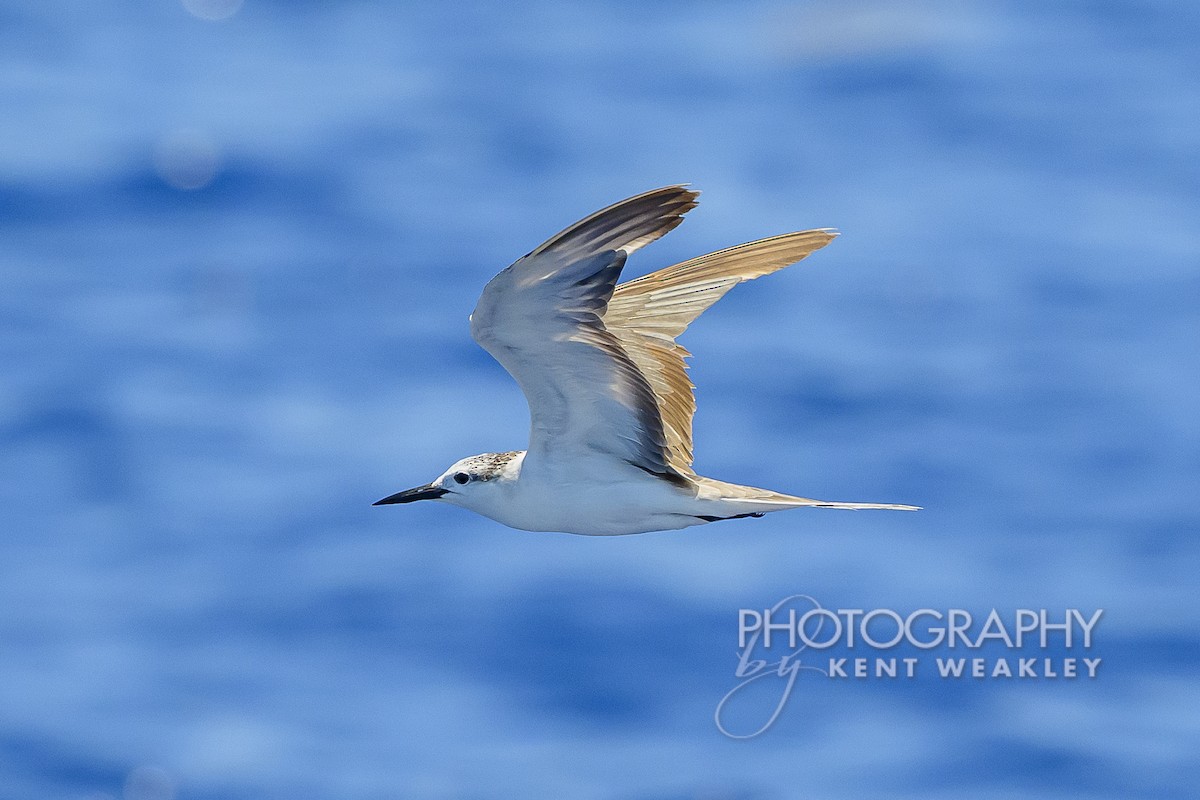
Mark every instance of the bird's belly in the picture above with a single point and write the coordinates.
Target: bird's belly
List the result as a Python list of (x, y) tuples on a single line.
[(591, 509)]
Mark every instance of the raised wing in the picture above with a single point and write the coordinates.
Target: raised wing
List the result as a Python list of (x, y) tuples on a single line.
[(541, 318), (645, 315)]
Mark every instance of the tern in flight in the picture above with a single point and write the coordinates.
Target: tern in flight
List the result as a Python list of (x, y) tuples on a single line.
[(610, 403)]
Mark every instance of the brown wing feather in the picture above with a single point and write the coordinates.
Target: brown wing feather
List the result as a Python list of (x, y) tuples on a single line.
[(647, 314)]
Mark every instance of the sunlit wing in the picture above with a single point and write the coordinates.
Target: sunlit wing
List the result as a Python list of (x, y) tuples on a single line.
[(647, 314)]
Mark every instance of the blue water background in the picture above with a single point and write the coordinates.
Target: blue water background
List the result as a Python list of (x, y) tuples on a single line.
[(202, 391)]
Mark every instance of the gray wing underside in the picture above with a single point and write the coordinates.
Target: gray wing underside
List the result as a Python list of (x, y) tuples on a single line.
[(542, 319)]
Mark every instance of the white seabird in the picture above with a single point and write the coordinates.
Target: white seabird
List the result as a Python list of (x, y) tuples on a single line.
[(610, 403)]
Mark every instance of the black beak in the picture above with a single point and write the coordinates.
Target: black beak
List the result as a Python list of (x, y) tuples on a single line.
[(426, 492)]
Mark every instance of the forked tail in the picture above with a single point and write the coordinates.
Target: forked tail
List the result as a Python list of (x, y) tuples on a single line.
[(803, 501), (749, 499)]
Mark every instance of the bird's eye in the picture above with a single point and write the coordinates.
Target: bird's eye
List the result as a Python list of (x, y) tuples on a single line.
[(461, 477)]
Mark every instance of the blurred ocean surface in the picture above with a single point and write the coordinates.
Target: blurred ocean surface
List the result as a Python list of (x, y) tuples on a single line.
[(236, 263)]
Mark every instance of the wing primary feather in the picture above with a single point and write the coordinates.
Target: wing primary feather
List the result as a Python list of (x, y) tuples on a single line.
[(627, 225)]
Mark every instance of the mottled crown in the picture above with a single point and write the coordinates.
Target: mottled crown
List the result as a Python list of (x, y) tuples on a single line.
[(488, 465)]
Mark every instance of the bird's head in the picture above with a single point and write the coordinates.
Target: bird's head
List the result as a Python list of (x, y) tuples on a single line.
[(468, 482)]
